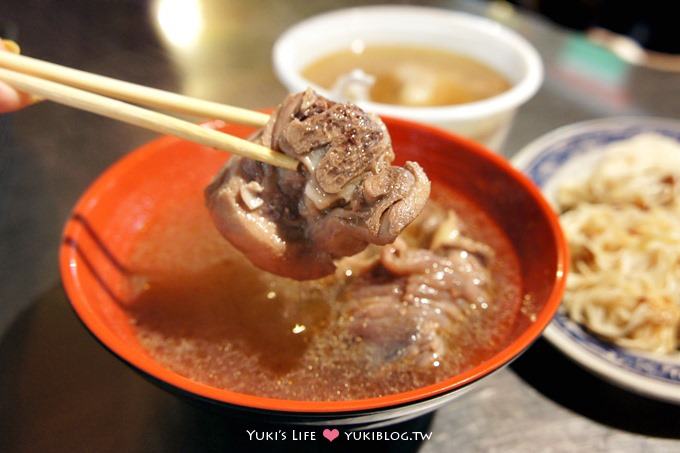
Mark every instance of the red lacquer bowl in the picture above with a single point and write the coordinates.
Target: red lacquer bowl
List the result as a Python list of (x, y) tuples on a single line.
[(114, 209)]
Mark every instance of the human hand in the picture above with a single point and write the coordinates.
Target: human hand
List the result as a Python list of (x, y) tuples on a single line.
[(11, 99)]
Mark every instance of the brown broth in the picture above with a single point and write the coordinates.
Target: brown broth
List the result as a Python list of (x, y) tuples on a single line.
[(209, 315), (412, 76)]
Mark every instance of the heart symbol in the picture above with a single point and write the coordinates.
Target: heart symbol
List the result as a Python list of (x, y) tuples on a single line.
[(331, 434)]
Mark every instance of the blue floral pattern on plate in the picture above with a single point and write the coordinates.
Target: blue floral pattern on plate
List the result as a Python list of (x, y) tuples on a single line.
[(540, 169)]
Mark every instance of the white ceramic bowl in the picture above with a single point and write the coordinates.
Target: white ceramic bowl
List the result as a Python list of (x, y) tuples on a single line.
[(560, 156), (486, 121)]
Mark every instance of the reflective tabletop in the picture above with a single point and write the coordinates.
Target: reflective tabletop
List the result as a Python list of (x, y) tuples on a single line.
[(60, 391)]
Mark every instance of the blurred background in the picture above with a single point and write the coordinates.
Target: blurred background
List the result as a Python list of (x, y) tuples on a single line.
[(650, 24)]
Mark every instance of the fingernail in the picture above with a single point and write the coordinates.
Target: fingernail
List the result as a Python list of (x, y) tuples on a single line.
[(30, 99), (11, 46)]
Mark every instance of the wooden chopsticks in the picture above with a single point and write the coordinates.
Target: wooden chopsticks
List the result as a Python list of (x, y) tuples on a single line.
[(67, 86), (126, 91)]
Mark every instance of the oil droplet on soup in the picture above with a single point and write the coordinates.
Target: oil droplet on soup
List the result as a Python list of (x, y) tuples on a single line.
[(412, 76), (208, 314)]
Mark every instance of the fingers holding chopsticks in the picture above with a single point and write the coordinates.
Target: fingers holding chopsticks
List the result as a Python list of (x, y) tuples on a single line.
[(10, 98), (110, 97)]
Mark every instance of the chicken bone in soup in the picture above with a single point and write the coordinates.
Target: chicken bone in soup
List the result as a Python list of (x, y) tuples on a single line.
[(344, 195)]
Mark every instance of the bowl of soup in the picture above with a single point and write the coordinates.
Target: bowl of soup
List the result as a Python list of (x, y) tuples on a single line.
[(152, 279), (454, 70)]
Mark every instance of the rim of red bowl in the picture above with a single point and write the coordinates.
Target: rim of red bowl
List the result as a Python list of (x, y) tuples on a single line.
[(147, 365)]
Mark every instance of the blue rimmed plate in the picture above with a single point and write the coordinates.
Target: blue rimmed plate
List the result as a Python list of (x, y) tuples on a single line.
[(567, 153)]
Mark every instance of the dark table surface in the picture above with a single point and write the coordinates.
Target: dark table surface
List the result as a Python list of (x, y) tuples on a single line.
[(60, 391)]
